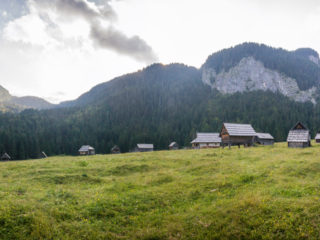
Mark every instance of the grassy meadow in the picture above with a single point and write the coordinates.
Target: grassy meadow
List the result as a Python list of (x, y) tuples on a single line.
[(267, 192)]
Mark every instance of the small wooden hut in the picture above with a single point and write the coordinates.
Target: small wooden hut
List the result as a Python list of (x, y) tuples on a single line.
[(43, 155), (264, 139), (115, 149), (299, 136), (144, 147), (317, 138), (237, 134), (5, 157), (173, 146), (206, 140), (87, 150)]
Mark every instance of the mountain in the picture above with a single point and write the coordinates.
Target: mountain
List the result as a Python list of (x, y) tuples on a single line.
[(16, 104), (165, 103), (251, 67), (32, 102), (246, 67)]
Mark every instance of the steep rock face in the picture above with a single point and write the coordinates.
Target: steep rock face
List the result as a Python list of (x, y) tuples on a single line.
[(251, 75)]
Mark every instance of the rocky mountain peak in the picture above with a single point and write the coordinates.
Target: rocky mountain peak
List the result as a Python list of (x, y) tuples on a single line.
[(251, 67), (252, 75)]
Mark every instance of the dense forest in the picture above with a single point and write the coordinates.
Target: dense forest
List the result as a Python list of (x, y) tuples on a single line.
[(158, 104)]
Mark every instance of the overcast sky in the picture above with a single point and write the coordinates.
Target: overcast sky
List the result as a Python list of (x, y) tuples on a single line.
[(59, 49)]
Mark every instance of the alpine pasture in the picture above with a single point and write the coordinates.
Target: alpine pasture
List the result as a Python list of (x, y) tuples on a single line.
[(269, 192)]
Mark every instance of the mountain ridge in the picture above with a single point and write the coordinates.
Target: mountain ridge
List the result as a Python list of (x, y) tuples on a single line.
[(300, 66), (17, 104), (295, 74), (300, 85)]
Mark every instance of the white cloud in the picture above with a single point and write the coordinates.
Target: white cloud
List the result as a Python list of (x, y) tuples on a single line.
[(31, 70), (29, 29), (59, 22), (48, 51)]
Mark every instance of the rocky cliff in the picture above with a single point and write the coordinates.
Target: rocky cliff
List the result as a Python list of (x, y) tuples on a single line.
[(251, 75), (247, 72)]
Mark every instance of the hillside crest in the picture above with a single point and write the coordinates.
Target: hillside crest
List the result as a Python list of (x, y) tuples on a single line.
[(15, 104)]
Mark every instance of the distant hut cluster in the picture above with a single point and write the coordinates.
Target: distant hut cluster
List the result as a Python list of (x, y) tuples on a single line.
[(206, 140), (231, 134), (7, 157), (299, 136)]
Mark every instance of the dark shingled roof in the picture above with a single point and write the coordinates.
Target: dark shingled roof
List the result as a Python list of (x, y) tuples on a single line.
[(295, 127), (265, 136), (207, 138), (242, 130), (299, 135)]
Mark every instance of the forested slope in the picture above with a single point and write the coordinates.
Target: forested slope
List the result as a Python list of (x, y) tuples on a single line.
[(159, 104)]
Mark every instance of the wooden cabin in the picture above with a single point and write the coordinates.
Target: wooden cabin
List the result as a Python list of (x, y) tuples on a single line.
[(115, 149), (317, 138), (5, 157), (264, 139), (299, 136), (144, 147), (173, 146), (237, 134), (87, 150), (206, 140), (43, 155)]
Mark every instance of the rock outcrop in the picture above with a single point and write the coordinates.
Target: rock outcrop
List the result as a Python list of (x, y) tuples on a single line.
[(251, 75)]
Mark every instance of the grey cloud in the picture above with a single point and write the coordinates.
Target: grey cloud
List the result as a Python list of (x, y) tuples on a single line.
[(77, 8), (83, 8), (113, 39), (104, 37)]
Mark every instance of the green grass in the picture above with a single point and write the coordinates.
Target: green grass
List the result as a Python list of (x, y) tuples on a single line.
[(248, 193)]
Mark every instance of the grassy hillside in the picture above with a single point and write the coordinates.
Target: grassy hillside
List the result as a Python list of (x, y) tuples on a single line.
[(247, 193)]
